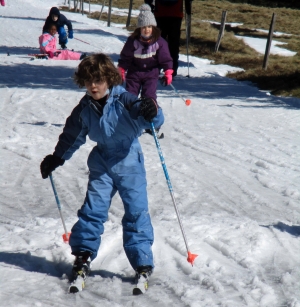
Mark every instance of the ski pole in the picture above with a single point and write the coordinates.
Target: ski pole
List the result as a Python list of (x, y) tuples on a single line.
[(86, 43), (18, 55), (81, 41), (187, 34), (66, 235), (186, 101), (191, 257)]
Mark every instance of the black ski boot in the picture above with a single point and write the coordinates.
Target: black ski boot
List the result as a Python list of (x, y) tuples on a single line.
[(81, 269), (83, 55), (63, 46), (141, 279)]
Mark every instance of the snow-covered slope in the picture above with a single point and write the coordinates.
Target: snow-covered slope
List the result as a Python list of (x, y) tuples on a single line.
[(232, 155)]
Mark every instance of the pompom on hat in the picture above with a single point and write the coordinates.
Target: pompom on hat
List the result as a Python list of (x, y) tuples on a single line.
[(146, 18)]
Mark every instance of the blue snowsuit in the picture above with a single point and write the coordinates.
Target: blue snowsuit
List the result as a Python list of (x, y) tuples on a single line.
[(115, 164)]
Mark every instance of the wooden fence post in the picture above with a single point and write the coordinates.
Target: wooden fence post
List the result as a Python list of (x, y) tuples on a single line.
[(109, 13), (129, 14), (221, 32), (269, 42), (101, 10)]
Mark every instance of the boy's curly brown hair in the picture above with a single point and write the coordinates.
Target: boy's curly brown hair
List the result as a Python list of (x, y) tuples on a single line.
[(98, 67)]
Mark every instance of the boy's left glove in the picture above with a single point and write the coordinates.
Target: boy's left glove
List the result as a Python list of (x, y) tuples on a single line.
[(148, 108), (167, 79), (70, 34)]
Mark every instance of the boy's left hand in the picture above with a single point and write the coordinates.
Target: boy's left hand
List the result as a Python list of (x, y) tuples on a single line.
[(70, 34), (148, 108)]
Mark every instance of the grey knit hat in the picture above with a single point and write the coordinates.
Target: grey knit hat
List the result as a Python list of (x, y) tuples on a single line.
[(146, 18)]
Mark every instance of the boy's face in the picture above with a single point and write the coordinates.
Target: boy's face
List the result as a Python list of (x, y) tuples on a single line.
[(54, 17), (52, 30), (97, 89), (146, 31)]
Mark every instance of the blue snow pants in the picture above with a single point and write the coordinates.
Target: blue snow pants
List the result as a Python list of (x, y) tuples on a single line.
[(62, 35), (124, 172)]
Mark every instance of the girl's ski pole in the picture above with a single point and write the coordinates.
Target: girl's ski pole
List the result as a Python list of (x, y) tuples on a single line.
[(191, 257), (86, 43), (188, 33), (82, 41), (66, 235), (186, 101)]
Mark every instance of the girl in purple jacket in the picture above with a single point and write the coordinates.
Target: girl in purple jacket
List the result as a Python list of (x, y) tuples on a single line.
[(144, 54)]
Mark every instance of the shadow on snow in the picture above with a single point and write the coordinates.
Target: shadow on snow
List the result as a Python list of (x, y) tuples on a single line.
[(41, 265), (210, 87), (292, 230), (32, 263)]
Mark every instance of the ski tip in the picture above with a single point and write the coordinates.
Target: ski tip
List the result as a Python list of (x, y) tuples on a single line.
[(73, 289), (137, 291)]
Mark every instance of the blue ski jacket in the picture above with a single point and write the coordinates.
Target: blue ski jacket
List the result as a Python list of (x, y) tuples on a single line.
[(60, 22), (118, 128)]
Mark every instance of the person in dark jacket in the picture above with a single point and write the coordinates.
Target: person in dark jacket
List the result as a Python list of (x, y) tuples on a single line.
[(168, 15), (60, 20), (144, 54), (113, 119)]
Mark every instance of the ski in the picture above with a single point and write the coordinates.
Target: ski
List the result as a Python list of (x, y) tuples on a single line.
[(142, 285), (141, 280), (39, 55), (77, 285)]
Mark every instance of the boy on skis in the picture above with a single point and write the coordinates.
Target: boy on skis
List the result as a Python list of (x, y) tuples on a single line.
[(60, 20), (114, 119)]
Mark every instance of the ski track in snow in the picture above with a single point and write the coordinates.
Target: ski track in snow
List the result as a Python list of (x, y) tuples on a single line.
[(233, 160)]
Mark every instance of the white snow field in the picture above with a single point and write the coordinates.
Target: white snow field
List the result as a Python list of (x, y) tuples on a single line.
[(233, 157)]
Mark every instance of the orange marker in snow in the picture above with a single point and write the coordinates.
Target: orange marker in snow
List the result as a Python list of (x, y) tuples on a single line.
[(187, 101)]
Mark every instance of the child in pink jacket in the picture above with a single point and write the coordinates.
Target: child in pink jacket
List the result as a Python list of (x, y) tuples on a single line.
[(47, 43)]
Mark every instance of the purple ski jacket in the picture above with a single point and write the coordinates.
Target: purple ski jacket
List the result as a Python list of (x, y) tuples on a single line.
[(144, 57)]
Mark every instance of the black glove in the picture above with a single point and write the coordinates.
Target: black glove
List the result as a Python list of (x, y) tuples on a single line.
[(148, 109), (49, 164)]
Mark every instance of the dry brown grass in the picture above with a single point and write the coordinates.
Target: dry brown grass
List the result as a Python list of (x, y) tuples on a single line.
[(282, 76)]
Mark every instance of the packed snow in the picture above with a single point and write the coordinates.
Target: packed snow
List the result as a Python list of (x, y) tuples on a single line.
[(232, 156), (259, 44)]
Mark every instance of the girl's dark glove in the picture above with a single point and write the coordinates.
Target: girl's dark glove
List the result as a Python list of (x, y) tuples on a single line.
[(148, 108), (49, 164)]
